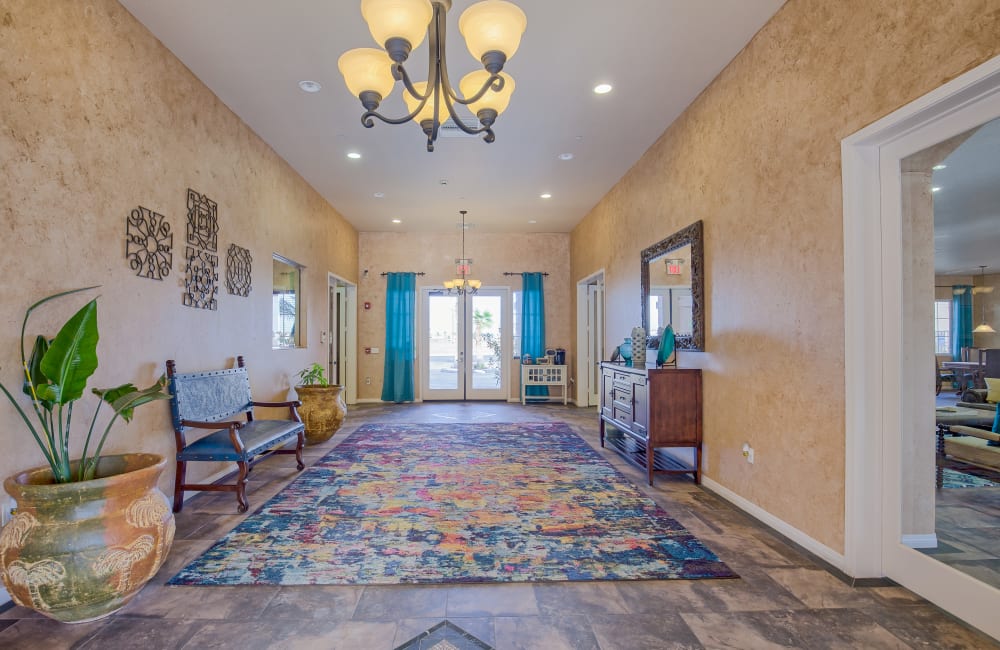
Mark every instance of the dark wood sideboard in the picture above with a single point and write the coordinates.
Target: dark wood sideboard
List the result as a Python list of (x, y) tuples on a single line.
[(643, 409)]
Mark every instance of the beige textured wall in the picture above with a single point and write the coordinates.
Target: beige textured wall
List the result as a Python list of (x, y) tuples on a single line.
[(991, 302), (434, 253), (757, 157), (97, 118)]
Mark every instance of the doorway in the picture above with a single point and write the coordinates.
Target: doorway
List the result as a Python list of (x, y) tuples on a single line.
[(589, 338), (465, 345), (341, 336), (889, 348)]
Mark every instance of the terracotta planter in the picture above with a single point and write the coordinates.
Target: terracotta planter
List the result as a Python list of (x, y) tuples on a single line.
[(79, 551), (323, 411)]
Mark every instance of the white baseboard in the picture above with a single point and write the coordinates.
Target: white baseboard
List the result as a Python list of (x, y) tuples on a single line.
[(805, 541), (928, 540)]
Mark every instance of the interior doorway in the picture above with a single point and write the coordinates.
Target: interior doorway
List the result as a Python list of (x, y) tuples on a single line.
[(341, 336), (589, 338), (889, 294), (465, 345)]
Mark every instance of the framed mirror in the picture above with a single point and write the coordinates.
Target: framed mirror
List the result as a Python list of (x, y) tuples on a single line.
[(673, 287)]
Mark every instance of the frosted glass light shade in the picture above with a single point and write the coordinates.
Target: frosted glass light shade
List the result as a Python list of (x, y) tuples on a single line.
[(498, 101), (492, 25), (406, 19), (475, 284), (365, 68), (984, 328), (427, 113)]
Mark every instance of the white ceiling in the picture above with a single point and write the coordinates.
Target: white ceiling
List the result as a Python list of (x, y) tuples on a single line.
[(658, 54), (967, 206)]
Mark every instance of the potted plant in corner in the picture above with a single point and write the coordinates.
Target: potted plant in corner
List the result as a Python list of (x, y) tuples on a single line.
[(323, 409), (87, 533)]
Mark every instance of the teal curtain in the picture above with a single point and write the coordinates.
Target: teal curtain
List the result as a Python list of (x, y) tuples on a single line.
[(533, 323), (961, 320), (400, 319)]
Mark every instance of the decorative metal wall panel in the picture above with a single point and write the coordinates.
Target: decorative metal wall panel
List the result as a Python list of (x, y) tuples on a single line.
[(238, 266), (203, 221), (149, 244), (202, 282)]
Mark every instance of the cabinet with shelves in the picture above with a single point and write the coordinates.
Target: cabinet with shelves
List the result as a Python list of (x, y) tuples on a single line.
[(645, 409)]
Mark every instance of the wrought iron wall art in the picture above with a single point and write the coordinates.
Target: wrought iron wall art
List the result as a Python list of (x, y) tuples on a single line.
[(238, 279), (202, 282), (149, 244), (203, 221)]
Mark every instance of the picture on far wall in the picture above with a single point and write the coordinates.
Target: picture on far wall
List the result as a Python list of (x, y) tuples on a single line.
[(238, 267), (203, 221), (149, 244)]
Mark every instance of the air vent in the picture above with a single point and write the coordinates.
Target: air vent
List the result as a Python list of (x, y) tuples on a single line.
[(450, 130)]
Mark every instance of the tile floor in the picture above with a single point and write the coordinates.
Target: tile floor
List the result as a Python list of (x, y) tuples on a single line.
[(785, 598)]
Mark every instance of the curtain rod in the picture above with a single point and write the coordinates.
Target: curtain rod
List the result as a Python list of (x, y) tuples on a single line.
[(523, 272), (385, 273)]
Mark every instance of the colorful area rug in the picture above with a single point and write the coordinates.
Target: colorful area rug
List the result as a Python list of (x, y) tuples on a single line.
[(955, 479), (461, 503)]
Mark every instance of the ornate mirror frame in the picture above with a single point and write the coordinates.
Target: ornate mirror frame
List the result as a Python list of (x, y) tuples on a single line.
[(693, 236)]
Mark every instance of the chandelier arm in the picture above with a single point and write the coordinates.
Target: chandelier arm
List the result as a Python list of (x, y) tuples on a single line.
[(495, 80), (408, 84), (366, 118)]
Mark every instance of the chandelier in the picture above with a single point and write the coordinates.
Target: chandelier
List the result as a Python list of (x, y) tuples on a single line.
[(492, 31), (984, 327), (463, 267)]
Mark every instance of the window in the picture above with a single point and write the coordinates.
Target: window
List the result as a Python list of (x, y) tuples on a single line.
[(286, 306), (942, 326)]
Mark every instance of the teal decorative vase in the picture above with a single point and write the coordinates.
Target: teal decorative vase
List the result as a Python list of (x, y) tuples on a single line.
[(625, 349), (665, 353)]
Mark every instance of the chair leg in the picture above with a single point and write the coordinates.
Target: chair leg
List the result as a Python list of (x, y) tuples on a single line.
[(241, 487), (298, 451), (179, 478)]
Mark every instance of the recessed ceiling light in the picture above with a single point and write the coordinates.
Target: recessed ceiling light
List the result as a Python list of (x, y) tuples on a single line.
[(310, 86), (565, 156), (546, 196), (935, 189), (602, 89), (532, 221), (379, 195), (353, 155), (397, 221), (939, 167)]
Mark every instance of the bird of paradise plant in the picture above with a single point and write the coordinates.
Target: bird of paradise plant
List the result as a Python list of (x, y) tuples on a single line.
[(55, 377)]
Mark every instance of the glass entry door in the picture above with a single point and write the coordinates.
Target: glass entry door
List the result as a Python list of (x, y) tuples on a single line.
[(464, 345)]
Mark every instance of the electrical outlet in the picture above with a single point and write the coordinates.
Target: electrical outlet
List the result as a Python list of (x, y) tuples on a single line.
[(748, 452), (368, 381)]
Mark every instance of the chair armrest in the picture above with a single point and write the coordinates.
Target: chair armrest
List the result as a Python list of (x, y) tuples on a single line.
[(292, 406), (976, 433), (982, 406), (233, 426), (224, 424)]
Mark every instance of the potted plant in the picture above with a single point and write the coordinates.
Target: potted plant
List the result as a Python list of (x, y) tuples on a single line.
[(88, 533), (323, 409)]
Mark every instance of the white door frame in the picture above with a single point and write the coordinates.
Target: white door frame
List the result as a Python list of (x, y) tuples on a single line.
[(464, 387), (506, 320), (584, 364), (875, 366), (350, 350)]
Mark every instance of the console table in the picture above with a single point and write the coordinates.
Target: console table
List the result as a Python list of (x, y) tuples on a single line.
[(543, 375), (644, 409)]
